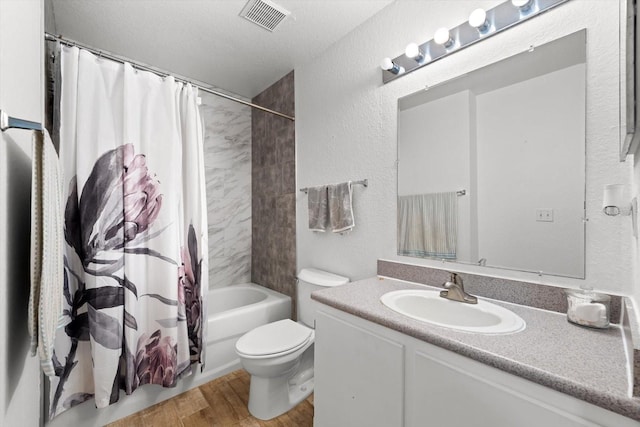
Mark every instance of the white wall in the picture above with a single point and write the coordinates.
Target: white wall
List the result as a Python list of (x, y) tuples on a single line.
[(523, 167), (21, 95), (346, 122), (435, 154)]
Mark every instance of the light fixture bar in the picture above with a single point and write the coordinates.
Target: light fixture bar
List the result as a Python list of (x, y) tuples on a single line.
[(501, 17)]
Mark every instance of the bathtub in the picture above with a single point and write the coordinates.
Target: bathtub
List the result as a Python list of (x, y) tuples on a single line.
[(231, 312)]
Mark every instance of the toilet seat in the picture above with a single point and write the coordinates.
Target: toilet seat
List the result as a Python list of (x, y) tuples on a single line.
[(273, 339)]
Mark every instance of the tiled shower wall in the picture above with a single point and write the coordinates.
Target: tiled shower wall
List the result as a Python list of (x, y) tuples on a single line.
[(227, 160), (274, 194)]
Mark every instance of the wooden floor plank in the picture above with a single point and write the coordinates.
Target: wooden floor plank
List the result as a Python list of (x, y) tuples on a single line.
[(281, 421), (203, 418), (190, 402), (241, 389), (248, 422), (302, 415), (223, 412), (161, 415), (134, 420), (219, 403), (239, 395)]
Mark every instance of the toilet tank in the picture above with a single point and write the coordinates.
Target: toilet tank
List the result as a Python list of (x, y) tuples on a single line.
[(309, 280)]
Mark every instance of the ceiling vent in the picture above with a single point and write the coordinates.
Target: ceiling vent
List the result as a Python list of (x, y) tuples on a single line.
[(264, 13)]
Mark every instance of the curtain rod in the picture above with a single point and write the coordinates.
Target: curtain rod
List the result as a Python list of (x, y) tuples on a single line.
[(161, 73)]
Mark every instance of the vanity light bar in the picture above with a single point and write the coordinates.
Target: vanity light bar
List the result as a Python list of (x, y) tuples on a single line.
[(446, 42)]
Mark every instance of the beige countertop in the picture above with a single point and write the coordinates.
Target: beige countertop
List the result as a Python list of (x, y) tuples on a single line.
[(588, 364)]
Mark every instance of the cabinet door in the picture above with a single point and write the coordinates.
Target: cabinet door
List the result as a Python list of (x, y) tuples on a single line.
[(446, 395), (358, 376)]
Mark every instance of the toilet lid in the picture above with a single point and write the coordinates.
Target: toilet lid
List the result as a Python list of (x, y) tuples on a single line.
[(273, 338)]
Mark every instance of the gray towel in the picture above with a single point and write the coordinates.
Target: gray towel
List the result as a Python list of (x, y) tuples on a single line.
[(428, 225), (340, 207), (318, 208)]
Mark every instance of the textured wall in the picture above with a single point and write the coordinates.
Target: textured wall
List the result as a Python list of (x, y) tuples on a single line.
[(21, 95), (274, 190), (346, 129), (227, 159)]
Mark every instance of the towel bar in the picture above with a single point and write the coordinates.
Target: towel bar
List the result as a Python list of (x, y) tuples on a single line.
[(8, 122), (363, 182)]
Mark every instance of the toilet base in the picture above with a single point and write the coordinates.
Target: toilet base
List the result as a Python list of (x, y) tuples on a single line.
[(271, 397)]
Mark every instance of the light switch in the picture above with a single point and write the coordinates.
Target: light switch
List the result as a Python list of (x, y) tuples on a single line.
[(544, 215)]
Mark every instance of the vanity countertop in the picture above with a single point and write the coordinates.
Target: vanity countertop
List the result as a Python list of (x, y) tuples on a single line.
[(588, 364)]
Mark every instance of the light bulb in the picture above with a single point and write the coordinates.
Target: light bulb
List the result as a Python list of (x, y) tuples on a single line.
[(443, 37), (413, 51), (478, 20), (388, 65), (524, 5)]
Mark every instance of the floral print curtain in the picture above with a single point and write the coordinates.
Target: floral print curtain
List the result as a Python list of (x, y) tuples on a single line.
[(135, 231)]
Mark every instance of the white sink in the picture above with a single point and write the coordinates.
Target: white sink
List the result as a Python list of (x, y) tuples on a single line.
[(428, 306)]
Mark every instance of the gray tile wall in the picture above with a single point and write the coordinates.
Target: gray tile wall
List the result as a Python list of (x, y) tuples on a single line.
[(273, 187), (227, 159)]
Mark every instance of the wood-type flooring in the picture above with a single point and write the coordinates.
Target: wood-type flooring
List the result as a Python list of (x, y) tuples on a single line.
[(221, 402)]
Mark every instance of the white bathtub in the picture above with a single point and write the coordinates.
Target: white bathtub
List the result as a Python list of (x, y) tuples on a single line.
[(232, 311)]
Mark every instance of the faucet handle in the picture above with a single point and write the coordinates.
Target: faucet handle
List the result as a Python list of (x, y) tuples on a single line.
[(455, 278), (451, 282)]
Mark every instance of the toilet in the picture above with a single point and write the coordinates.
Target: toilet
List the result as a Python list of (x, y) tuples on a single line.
[(279, 355)]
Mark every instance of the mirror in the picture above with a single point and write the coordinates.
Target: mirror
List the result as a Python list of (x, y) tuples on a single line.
[(630, 79), (491, 165)]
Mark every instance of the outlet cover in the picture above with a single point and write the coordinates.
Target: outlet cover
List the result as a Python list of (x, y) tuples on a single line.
[(544, 215)]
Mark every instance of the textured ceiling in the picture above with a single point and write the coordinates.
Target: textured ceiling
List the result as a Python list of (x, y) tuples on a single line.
[(207, 40)]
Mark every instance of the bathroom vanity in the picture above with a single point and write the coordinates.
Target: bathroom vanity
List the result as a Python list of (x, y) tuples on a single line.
[(376, 367)]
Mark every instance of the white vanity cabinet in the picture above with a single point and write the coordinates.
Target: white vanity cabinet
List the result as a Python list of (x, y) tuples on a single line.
[(369, 375), (358, 376)]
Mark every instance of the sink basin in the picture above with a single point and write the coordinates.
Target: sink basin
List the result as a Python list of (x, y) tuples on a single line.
[(428, 306)]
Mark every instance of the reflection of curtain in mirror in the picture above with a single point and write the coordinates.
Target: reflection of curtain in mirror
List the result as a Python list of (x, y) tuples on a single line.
[(428, 225)]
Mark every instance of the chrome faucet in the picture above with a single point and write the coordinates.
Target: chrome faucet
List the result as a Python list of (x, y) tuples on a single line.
[(454, 290)]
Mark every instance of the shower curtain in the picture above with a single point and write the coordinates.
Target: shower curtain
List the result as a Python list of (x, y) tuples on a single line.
[(135, 231)]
